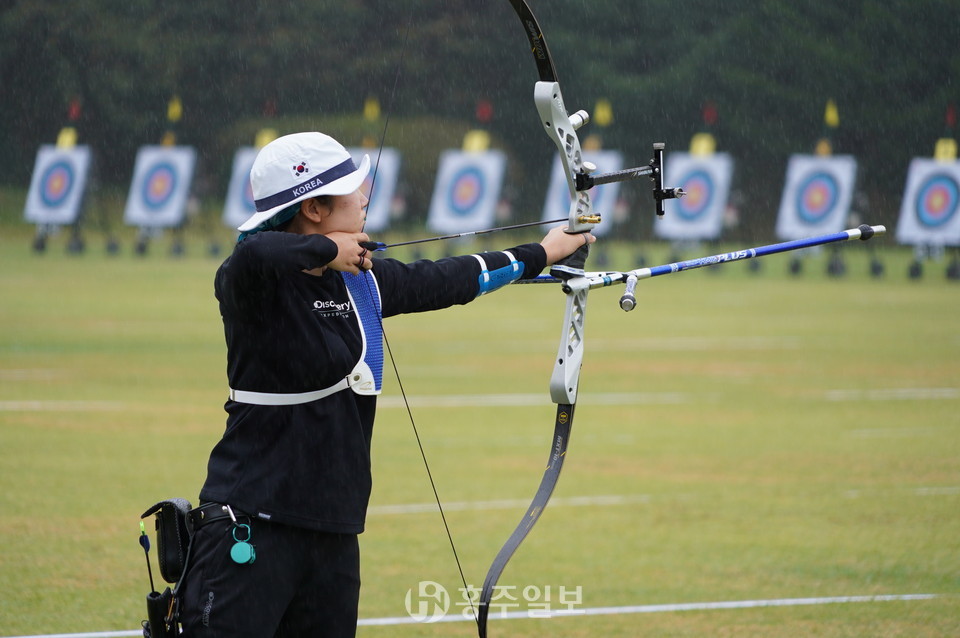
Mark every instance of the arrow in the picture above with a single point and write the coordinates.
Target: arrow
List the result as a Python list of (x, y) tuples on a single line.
[(378, 245)]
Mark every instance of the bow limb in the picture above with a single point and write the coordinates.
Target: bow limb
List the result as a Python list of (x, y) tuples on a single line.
[(561, 437), (561, 128), (563, 392)]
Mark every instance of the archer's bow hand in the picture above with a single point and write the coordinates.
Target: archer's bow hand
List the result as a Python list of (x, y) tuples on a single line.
[(559, 244)]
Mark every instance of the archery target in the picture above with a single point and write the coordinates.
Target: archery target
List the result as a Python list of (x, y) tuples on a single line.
[(700, 191), (603, 198), (239, 204), (56, 188), (937, 200), (56, 183), (467, 191), (380, 186), (698, 215), (160, 187), (816, 195), (928, 213)]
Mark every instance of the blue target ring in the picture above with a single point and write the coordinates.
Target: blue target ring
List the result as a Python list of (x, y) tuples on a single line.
[(56, 183), (699, 188), (159, 185), (817, 197), (937, 200), (466, 190)]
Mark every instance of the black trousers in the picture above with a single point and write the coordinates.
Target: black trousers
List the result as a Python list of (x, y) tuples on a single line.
[(302, 583)]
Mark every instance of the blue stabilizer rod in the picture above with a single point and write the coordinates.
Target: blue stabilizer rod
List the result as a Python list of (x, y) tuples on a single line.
[(628, 302)]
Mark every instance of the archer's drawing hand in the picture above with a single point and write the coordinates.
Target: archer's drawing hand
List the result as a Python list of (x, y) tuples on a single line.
[(351, 256), (558, 244)]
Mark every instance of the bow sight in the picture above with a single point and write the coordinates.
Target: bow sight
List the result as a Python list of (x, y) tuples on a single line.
[(586, 181)]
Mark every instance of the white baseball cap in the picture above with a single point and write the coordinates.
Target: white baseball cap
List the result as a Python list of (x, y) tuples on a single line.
[(296, 167)]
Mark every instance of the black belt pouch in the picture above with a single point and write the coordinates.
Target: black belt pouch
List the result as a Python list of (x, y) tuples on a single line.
[(173, 536)]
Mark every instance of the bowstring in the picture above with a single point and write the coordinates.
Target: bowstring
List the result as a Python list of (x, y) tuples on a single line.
[(391, 103)]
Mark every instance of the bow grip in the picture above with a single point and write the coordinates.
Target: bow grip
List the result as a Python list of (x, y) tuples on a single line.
[(572, 265)]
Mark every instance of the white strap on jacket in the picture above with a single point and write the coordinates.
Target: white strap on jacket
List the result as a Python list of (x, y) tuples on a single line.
[(360, 381), (270, 398), (365, 378)]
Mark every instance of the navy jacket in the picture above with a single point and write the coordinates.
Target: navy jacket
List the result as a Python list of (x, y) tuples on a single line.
[(287, 331)]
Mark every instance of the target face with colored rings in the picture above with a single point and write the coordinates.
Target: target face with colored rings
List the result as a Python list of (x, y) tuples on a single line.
[(817, 197), (699, 188), (56, 183), (937, 200), (466, 191), (159, 185), (239, 204), (379, 185)]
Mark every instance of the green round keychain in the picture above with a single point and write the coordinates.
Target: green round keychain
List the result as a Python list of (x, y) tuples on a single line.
[(242, 551)]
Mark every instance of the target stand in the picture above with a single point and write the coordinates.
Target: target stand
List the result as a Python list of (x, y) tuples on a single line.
[(159, 192), (56, 195), (816, 199)]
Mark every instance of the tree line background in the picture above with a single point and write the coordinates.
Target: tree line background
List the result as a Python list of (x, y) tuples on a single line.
[(768, 66)]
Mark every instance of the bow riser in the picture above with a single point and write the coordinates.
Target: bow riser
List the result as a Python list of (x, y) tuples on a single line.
[(561, 127), (566, 369)]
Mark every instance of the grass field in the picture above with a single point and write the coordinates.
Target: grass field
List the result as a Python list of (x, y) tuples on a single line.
[(739, 436)]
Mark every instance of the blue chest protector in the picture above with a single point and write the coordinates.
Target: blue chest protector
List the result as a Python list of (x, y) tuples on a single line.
[(367, 375)]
